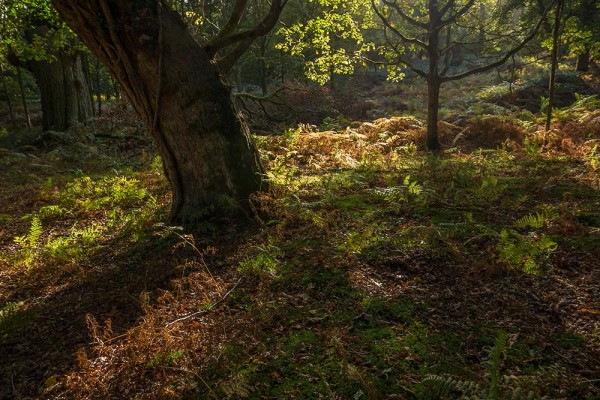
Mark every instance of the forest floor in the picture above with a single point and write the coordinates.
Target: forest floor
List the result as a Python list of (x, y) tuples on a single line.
[(377, 270)]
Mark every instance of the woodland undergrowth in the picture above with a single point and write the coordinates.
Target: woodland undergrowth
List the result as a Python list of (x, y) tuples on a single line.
[(376, 270)]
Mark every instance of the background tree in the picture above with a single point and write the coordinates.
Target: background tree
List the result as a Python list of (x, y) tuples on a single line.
[(582, 31), (558, 15), (175, 84), (40, 42), (424, 28), (6, 94)]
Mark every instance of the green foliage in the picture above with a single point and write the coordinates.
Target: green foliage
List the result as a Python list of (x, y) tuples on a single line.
[(13, 315), (536, 220), (30, 243), (410, 190), (594, 158), (123, 205), (63, 249), (532, 146), (580, 31), (579, 110), (163, 360), (52, 211), (494, 91), (237, 386), (335, 124), (587, 103), (497, 387), (437, 387), (412, 186), (87, 195), (525, 252), (356, 241), (411, 149), (491, 188), (266, 261), (34, 31), (495, 364), (331, 41)]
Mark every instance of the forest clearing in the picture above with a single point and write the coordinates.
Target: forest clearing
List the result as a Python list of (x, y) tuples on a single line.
[(371, 263)]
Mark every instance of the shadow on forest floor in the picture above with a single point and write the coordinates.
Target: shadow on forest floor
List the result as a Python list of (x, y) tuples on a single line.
[(379, 272)]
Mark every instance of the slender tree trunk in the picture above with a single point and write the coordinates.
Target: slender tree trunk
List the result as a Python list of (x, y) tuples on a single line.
[(98, 93), (64, 91), (23, 98), (513, 67), (433, 104), (282, 65), (434, 81), (210, 160), (583, 61), (88, 80), (262, 66), (8, 100), (115, 87), (448, 53), (554, 65)]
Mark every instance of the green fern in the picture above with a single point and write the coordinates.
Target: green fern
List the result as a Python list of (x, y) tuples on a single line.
[(438, 387), (30, 243), (532, 146), (237, 387), (392, 195), (525, 253), (594, 158), (495, 363), (412, 186), (35, 231), (52, 211), (536, 220), (409, 190)]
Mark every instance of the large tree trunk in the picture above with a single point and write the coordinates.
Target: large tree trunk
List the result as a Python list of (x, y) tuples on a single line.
[(583, 61), (210, 160), (64, 90)]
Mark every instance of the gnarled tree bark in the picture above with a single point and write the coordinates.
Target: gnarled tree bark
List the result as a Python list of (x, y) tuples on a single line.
[(175, 86), (64, 90)]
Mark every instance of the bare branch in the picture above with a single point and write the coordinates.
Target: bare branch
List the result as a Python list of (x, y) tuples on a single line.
[(226, 62), (234, 19), (448, 6), (501, 61), (405, 16), (387, 23), (245, 38), (458, 14)]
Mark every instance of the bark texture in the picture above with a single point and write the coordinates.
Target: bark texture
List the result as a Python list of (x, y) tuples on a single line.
[(583, 61), (64, 90), (210, 160)]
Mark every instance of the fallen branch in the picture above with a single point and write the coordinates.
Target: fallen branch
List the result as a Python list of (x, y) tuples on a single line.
[(212, 307)]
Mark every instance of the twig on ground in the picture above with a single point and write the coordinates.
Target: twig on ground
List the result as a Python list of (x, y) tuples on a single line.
[(212, 307)]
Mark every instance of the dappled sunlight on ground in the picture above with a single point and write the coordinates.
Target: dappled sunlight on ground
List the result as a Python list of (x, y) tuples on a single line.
[(375, 269)]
